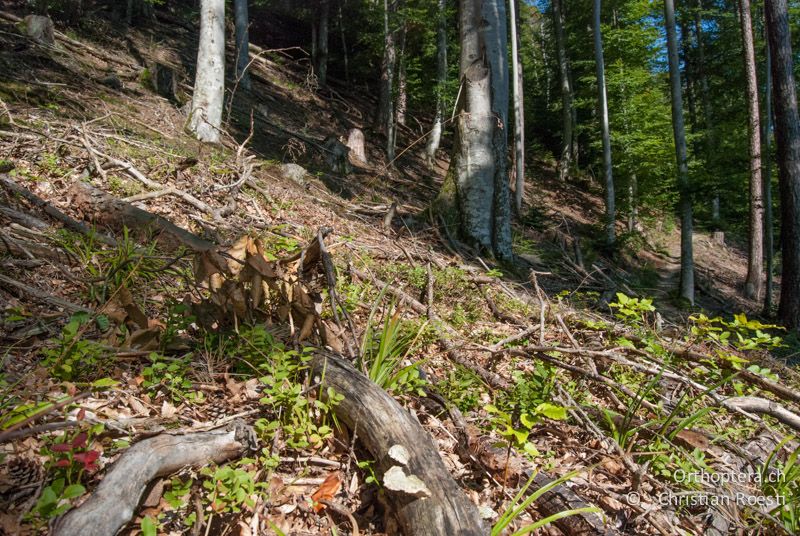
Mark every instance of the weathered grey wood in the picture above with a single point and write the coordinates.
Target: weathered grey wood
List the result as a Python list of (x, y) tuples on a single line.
[(381, 423), (70, 223), (103, 209), (114, 501), (40, 29)]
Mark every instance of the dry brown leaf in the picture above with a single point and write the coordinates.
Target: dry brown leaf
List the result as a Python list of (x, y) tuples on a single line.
[(327, 490), (143, 339)]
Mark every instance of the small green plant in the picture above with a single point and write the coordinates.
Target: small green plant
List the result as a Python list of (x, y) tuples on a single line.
[(462, 387), (127, 263), (632, 311), (520, 503), (171, 378), (57, 498), (302, 420), (230, 489), (383, 354), (515, 431), (71, 357), (781, 480), (369, 467)]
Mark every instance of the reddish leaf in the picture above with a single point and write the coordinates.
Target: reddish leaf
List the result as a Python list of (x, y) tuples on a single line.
[(327, 490), (62, 463), (61, 447), (79, 440)]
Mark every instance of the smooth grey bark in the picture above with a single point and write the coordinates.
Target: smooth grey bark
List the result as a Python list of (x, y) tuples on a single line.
[(787, 141), (769, 232), (321, 48), (565, 160), (435, 136), (476, 193), (685, 203), (402, 95), (385, 116), (242, 24), (209, 85), (603, 108), (519, 114), (753, 286)]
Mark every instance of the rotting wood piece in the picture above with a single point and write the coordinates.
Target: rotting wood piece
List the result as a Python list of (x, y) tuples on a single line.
[(114, 501), (103, 209), (9, 184), (382, 423)]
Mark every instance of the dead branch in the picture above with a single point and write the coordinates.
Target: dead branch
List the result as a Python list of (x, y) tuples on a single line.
[(762, 406), (74, 225), (440, 506), (104, 209), (115, 500), (41, 295)]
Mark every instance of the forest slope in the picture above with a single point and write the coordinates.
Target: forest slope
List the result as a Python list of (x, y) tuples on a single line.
[(535, 360)]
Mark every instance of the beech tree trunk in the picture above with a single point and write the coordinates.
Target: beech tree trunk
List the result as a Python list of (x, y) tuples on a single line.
[(321, 48), (402, 95), (441, 79), (209, 83), (385, 118), (787, 139), (565, 161), (769, 232), (603, 108), (679, 133), (475, 194), (519, 114), (242, 21), (753, 286)]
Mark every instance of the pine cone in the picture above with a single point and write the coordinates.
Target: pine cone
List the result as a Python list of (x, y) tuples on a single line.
[(216, 410), (24, 471)]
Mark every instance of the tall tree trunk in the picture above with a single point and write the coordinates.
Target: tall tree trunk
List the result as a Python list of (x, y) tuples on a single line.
[(209, 84), (385, 117), (709, 136), (242, 21), (769, 231), (787, 140), (402, 95), (602, 104), (755, 273), (344, 44), (519, 114), (441, 80), (321, 48), (679, 133), (475, 195), (565, 161)]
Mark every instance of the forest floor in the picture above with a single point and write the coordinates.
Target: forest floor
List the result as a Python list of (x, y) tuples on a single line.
[(126, 333)]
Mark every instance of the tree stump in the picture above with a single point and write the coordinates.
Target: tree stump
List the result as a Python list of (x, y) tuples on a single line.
[(355, 142), (40, 29)]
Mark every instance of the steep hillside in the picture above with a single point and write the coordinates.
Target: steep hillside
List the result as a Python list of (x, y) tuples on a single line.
[(200, 298)]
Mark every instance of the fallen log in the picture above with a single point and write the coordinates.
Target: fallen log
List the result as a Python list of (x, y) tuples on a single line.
[(104, 209), (114, 501), (439, 506), (9, 184)]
